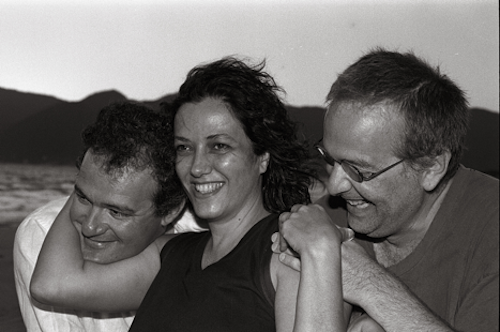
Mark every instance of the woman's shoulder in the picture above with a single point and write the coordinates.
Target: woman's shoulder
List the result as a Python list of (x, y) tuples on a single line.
[(162, 240)]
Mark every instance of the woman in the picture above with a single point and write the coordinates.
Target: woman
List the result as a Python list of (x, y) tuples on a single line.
[(241, 165)]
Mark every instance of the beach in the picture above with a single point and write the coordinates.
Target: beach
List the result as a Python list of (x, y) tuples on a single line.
[(10, 316), (23, 188)]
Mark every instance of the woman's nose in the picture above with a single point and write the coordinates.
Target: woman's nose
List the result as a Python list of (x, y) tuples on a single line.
[(201, 164)]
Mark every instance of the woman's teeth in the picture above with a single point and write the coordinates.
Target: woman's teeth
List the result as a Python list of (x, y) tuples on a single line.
[(208, 187)]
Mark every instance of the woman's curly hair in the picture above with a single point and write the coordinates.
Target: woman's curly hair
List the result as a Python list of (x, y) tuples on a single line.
[(251, 95), (129, 135)]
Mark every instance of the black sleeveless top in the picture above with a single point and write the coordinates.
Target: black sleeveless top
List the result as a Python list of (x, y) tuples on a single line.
[(234, 294)]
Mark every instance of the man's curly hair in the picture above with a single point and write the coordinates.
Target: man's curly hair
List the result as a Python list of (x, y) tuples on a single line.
[(251, 95), (129, 135)]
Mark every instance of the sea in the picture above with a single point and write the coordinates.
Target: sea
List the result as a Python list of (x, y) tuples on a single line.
[(26, 187), (23, 189)]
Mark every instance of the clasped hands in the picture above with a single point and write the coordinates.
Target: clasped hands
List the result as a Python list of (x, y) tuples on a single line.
[(306, 228)]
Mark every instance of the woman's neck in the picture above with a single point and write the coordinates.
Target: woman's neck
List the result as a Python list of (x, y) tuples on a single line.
[(225, 235)]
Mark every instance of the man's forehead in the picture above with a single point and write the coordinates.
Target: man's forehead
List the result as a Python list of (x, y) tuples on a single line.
[(128, 191), (131, 169), (366, 129), (366, 116), (382, 108)]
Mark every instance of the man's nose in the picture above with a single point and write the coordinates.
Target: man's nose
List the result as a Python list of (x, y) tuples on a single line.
[(93, 223), (338, 180)]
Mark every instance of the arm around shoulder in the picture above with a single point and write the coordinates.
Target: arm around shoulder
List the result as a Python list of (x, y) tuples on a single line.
[(62, 278)]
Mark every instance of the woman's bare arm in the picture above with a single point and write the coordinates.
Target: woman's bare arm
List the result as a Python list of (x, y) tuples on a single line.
[(319, 299), (62, 278)]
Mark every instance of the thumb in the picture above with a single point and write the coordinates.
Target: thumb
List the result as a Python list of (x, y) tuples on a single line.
[(290, 261), (346, 233)]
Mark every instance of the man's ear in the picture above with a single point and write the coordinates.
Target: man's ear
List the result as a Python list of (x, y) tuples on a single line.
[(173, 215), (432, 175), (264, 162)]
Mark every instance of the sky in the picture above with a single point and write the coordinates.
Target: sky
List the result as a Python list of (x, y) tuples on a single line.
[(144, 48)]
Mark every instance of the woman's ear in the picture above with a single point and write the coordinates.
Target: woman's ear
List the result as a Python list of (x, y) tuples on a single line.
[(264, 162), (173, 215), (432, 175)]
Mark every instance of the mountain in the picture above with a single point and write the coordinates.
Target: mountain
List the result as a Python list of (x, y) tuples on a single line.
[(16, 106), (42, 129), (53, 134)]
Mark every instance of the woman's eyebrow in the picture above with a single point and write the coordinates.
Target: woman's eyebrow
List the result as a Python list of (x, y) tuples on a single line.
[(215, 136)]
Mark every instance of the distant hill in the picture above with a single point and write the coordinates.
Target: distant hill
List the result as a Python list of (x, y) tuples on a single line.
[(16, 106), (43, 129), (52, 135)]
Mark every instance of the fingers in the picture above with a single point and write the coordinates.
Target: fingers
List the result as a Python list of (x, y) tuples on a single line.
[(347, 234), (296, 207), (283, 243), (284, 217), (290, 261), (279, 243), (275, 247)]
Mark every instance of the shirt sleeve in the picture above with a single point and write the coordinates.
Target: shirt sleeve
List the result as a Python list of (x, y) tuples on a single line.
[(27, 245), (38, 317)]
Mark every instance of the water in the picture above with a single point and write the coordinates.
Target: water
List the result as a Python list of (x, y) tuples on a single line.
[(25, 187)]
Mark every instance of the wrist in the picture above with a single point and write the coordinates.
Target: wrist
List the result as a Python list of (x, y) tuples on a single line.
[(322, 252)]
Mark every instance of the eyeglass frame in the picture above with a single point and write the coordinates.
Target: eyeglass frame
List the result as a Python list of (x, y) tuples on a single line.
[(352, 171)]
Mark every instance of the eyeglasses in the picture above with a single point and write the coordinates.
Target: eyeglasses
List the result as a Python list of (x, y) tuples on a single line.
[(351, 170)]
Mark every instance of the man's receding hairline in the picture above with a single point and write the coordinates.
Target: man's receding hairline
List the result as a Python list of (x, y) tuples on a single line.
[(100, 160)]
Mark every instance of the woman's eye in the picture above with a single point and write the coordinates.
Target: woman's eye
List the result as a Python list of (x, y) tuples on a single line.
[(182, 149), (221, 147)]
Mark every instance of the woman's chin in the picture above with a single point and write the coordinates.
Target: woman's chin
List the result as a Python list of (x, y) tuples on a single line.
[(206, 213)]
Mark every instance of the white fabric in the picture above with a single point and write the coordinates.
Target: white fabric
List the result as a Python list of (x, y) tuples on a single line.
[(27, 245), (187, 223)]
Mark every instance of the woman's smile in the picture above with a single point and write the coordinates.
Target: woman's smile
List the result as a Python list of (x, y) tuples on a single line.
[(208, 188)]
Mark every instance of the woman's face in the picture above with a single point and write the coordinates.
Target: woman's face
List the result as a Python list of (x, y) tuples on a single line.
[(216, 163)]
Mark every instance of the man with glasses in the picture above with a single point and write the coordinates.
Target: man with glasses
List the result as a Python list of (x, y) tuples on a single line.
[(426, 253)]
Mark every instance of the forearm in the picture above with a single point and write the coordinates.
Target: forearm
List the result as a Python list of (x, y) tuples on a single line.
[(63, 278), (391, 304), (320, 305), (59, 260)]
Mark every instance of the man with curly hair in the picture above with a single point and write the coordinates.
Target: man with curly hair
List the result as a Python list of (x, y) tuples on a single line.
[(126, 195)]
